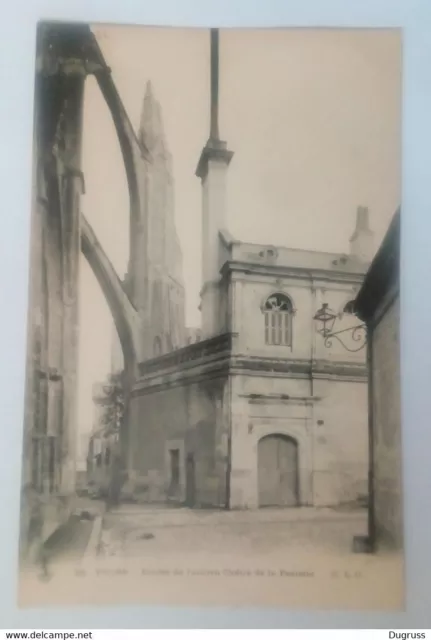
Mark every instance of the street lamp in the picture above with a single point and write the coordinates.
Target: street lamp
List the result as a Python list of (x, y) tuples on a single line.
[(325, 320)]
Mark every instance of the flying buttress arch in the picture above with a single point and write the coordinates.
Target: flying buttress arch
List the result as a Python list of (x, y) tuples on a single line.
[(133, 150), (125, 316)]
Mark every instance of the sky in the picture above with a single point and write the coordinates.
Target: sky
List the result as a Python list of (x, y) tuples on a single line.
[(313, 118)]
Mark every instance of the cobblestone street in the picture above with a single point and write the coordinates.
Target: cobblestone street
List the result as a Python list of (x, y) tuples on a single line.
[(277, 557), (137, 531)]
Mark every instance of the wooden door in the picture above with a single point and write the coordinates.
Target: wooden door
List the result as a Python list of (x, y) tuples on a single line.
[(190, 481), (174, 483), (278, 471)]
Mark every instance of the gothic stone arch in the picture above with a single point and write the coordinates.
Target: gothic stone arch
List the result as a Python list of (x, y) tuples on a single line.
[(125, 316)]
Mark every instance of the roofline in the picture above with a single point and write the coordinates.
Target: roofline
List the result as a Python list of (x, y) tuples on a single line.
[(334, 254), (291, 271), (383, 273)]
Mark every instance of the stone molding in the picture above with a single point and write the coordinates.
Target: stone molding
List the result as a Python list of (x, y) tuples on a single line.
[(214, 150), (244, 269), (213, 358)]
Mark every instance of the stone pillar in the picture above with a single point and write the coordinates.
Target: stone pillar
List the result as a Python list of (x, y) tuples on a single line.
[(212, 169), (72, 186)]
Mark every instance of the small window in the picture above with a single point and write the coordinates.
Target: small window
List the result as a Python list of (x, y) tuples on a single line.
[(278, 313)]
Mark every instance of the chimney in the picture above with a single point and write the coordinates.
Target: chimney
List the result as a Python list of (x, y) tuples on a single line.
[(362, 240), (212, 170)]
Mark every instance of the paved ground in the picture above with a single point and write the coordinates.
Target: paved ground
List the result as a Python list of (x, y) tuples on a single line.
[(70, 541), (138, 531), (294, 558)]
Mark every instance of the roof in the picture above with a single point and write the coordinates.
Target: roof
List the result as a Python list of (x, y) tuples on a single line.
[(383, 274), (303, 259)]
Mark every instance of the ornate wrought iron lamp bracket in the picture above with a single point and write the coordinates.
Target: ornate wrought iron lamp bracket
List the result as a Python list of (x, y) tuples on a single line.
[(358, 333)]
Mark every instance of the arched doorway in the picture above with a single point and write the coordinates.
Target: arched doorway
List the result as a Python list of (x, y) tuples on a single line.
[(277, 457)]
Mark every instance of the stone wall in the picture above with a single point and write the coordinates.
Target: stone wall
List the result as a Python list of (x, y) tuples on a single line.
[(313, 392), (188, 417), (387, 429), (329, 427), (262, 406), (249, 293), (340, 441), (49, 448)]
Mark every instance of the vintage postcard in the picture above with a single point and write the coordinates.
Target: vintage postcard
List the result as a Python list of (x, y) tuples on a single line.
[(213, 374)]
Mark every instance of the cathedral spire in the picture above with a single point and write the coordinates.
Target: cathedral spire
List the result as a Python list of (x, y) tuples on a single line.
[(151, 130)]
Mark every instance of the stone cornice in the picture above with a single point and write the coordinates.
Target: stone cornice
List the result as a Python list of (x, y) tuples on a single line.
[(213, 150), (189, 356), (280, 271), (224, 364), (169, 380), (277, 398), (301, 368)]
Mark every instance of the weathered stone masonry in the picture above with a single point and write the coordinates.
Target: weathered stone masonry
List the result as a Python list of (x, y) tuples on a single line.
[(378, 304), (65, 55)]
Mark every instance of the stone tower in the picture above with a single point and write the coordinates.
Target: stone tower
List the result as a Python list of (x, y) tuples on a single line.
[(156, 264)]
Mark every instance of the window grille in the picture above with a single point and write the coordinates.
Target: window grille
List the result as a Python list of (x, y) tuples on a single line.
[(278, 313)]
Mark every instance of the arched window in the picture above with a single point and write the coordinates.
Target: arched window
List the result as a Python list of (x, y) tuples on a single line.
[(278, 311)]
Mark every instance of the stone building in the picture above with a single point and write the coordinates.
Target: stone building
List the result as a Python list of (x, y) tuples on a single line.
[(378, 305), (65, 55), (261, 411), (49, 441)]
